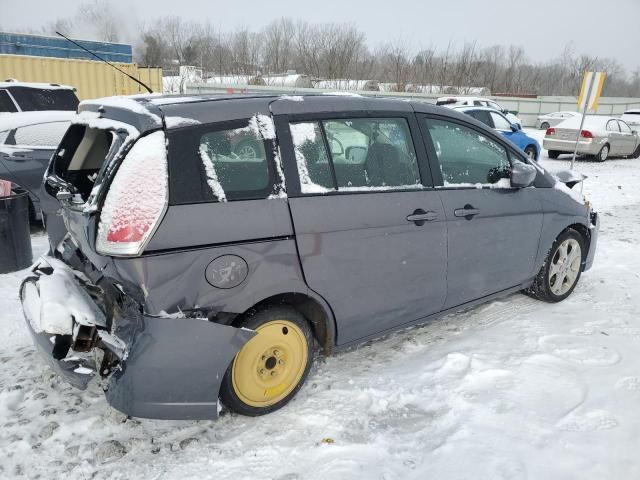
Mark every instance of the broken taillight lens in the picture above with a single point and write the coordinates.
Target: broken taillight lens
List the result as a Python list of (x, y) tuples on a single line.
[(137, 199)]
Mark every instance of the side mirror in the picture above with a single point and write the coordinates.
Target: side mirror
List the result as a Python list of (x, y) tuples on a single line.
[(634, 132), (505, 110), (522, 174), (515, 127)]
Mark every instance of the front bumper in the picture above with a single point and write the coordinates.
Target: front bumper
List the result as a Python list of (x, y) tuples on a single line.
[(594, 230), (165, 368)]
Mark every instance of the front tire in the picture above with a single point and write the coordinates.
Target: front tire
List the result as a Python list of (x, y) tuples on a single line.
[(531, 152), (553, 154), (270, 369), (561, 271)]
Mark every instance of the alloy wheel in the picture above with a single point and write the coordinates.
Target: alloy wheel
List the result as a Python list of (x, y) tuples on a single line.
[(565, 267)]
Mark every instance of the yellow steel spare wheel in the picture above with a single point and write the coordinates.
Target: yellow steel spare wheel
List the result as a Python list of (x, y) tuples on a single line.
[(271, 364)]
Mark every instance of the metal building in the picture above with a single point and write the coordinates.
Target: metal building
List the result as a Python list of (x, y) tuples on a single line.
[(35, 58), (58, 47)]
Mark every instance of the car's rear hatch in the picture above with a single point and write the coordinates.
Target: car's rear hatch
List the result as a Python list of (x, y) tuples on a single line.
[(86, 160)]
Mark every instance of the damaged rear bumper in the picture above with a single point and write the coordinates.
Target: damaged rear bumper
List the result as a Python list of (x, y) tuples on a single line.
[(155, 367)]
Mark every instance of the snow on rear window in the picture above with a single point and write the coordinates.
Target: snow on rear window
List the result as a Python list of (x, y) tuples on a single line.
[(306, 143), (263, 126), (236, 163), (138, 193), (212, 176), (41, 135)]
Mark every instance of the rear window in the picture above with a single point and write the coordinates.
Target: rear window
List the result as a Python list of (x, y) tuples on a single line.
[(633, 113), (6, 104), (40, 135), (81, 155), (221, 162), (36, 99)]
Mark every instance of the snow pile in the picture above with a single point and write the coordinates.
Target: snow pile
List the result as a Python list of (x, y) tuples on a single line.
[(138, 193)]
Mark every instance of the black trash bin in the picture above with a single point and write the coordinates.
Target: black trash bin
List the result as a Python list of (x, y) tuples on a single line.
[(15, 236)]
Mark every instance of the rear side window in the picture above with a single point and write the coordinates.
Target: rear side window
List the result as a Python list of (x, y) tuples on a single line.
[(35, 99), (41, 135), (221, 162), (6, 104), (483, 116), (355, 154), (467, 157), (612, 126)]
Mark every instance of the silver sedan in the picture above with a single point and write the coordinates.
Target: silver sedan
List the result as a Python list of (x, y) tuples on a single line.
[(600, 138), (552, 119)]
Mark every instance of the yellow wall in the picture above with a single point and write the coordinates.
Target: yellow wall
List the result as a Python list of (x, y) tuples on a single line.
[(92, 79)]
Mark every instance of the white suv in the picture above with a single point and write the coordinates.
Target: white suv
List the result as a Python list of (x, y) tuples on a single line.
[(477, 102), (29, 97)]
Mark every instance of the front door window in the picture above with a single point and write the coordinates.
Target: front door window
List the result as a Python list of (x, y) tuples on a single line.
[(468, 158)]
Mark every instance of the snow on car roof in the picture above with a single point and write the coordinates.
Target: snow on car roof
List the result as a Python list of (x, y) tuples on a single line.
[(10, 121), (44, 86)]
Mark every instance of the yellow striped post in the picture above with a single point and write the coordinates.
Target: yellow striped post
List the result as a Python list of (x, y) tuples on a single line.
[(588, 100)]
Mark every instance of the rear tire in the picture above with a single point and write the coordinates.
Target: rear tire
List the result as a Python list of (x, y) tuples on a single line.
[(271, 367), (544, 125), (562, 268), (636, 154), (603, 154), (553, 154)]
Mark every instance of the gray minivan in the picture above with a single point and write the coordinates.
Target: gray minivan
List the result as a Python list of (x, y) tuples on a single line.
[(193, 273)]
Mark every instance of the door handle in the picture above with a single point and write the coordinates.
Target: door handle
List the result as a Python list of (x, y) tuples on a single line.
[(419, 217), (467, 212)]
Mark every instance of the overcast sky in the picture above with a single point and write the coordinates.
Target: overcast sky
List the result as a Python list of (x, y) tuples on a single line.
[(606, 28)]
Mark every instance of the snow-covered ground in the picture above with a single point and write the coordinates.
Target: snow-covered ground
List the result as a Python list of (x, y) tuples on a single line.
[(514, 389)]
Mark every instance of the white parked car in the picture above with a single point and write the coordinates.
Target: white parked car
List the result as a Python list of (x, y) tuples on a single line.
[(552, 119), (600, 138), (632, 118), (478, 102)]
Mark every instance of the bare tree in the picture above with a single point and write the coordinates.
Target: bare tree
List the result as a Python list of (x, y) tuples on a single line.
[(100, 14)]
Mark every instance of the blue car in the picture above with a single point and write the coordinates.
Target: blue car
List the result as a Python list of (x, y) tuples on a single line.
[(512, 131)]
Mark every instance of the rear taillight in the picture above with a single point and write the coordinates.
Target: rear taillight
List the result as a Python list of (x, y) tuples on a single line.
[(586, 134), (137, 198), (550, 132)]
